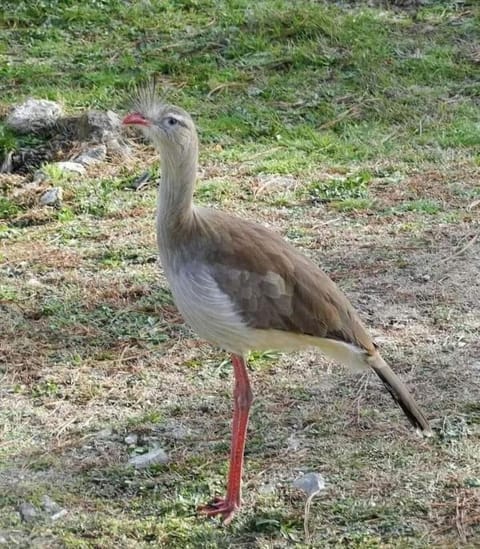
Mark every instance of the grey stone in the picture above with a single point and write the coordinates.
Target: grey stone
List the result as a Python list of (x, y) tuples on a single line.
[(34, 116), (131, 439), (52, 197), (28, 512), (93, 155), (3, 539), (73, 167), (154, 457), (98, 126)]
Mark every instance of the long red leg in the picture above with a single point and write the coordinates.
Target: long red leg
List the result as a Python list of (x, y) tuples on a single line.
[(242, 395)]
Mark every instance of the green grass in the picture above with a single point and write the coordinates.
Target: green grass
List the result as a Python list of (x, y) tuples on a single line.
[(350, 187), (8, 208), (424, 205), (352, 130), (327, 84)]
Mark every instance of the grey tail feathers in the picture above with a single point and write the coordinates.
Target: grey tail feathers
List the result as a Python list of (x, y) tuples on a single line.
[(400, 394)]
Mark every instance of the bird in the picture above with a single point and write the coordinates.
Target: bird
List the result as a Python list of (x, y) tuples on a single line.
[(243, 288)]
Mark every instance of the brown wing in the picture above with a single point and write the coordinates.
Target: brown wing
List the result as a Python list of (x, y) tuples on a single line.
[(274, 286)]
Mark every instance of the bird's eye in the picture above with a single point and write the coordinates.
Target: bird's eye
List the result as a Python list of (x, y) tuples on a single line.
[(172, 121)]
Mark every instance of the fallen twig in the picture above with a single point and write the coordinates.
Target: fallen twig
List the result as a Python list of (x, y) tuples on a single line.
[(224, 86)]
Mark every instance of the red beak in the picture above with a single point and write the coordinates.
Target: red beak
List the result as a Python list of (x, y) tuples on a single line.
[(136, 119)]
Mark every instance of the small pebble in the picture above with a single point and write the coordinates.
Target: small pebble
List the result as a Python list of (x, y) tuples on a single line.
[(154, 457), (28, 512), (52, 197), (59, 515), (293, 443), (131, 439), (253, 91), (34, 282), (176, 430)]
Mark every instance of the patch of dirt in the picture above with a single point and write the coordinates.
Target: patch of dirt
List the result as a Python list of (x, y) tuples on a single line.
[(450, 189)]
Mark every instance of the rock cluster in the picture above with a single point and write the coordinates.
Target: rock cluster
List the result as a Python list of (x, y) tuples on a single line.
[(96, 133)]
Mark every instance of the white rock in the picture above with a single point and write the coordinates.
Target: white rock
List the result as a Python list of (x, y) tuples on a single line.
[(52, 197), (59, 515), (131, 439), (253, 91), (73, 167), (293, 443), (99, 125), (34, 115), (154, 457)]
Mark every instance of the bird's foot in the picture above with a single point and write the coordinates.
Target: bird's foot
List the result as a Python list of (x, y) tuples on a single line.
[(220, 506)]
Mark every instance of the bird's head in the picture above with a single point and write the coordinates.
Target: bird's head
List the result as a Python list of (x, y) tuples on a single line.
[(170, 129)]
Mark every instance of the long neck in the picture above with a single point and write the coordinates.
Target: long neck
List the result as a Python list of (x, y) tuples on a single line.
[(175, 193)]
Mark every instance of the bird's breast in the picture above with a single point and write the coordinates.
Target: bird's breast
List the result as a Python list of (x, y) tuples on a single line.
[(206, 308)]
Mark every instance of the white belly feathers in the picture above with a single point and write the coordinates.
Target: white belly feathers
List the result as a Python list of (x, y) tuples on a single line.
[(208, 310)]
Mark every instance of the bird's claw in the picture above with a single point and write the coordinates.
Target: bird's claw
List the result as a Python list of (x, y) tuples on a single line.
[(220, 506)]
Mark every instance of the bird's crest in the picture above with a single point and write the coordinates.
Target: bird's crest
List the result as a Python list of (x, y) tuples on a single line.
[(148, 97)]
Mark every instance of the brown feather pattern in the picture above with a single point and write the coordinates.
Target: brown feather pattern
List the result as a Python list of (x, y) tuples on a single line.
[(271, 284)]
